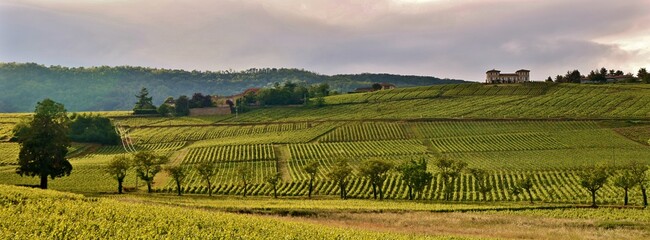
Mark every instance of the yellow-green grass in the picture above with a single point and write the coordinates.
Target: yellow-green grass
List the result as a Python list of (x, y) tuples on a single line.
[(33, 213)]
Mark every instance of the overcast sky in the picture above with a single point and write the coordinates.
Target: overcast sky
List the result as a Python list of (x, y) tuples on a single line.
[(444, 38)]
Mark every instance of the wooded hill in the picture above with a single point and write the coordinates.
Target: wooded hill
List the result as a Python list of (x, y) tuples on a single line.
[(113, 88)]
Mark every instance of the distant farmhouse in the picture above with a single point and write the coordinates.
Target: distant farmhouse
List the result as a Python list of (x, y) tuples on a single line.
[(495, 76), (376, 87)]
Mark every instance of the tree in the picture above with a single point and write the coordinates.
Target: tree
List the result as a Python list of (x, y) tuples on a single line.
[(164, 110), (526, 183), (198, 100), (573, 76), (147, 165), (483, 184), (339, 174), (144, 105), (643, 75), (178, 174), (244, 173), (414, 174), (639, 173), (118, 167), (549, 79), (312, 170), (450, 170), (625, 180), (44, 143), (593, 178), (182, 106), (376, 170), (376, 86), (95, 129), (273, 180), (207, 171)]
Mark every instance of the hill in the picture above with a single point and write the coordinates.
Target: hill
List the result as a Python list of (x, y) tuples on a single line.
[(475, 101), (113, 88), (547, 133)]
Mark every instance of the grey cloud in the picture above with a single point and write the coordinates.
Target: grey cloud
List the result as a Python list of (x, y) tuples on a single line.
[(449, 40)]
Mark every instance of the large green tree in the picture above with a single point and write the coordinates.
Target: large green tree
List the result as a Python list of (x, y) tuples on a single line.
[(481, 178), (376, 170), (245, 174), (639, 172), (312, 170), (450, 169), (340, 172), (593, 178), (177, 173), (118, 167), (207, 170), (44, 143), (144, 105), (147, 165), (625, 180), (415, 175)]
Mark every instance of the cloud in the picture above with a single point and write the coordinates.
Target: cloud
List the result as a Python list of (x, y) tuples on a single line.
[(455, 39)]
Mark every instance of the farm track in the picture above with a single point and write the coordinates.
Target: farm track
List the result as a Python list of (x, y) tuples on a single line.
[(283, 155)]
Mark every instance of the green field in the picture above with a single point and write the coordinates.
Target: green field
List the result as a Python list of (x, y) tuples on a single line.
[(548, 132)]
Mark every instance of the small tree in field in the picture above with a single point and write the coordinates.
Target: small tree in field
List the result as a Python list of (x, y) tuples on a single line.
[(625, 181), (312, 170), (415, 176), (118, 167), (593, 178), (450, 169), (376, 170), (639, 172), (526, 184), (483, 184), (44, 143), (207, 171), (178, 174), (244, 174), (147, 165), (273, 180), (339, 174)]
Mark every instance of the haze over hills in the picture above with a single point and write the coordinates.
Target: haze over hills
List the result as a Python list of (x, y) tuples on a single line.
[(113, 88)]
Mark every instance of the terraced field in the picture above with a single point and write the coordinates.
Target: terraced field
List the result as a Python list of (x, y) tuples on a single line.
[(488, 126)]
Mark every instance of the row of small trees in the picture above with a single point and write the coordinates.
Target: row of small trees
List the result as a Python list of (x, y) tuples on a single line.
[(413, 172)]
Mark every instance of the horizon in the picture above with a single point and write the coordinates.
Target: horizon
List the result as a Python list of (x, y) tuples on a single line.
[(440, 38)]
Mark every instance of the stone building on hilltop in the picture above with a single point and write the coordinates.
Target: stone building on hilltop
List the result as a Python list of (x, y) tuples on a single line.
[(495, 76)]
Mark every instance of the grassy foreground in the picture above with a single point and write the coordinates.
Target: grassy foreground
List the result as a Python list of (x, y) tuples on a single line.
[(45, 214)]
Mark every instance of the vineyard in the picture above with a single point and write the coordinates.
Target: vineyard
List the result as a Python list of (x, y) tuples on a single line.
[(547, 133)]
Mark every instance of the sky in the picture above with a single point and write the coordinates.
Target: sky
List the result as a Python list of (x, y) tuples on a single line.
[(459, 39)]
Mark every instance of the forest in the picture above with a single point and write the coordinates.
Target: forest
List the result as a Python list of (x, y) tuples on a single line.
[(113, 88)]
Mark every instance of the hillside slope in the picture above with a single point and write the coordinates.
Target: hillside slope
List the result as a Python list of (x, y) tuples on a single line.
[(475, 101), (113, 88)]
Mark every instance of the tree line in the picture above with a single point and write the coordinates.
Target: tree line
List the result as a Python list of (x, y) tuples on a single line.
[(600, 76), (414, 173), (170, 107), (107, 88)]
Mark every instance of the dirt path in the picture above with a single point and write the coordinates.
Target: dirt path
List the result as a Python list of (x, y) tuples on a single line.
[(283, 155), (175, 159)]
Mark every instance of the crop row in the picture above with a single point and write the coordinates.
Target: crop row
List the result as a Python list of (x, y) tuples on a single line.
[(504, 142), (189, 133), (367, 132), (230, 153), (356, 149), (8, 153)]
